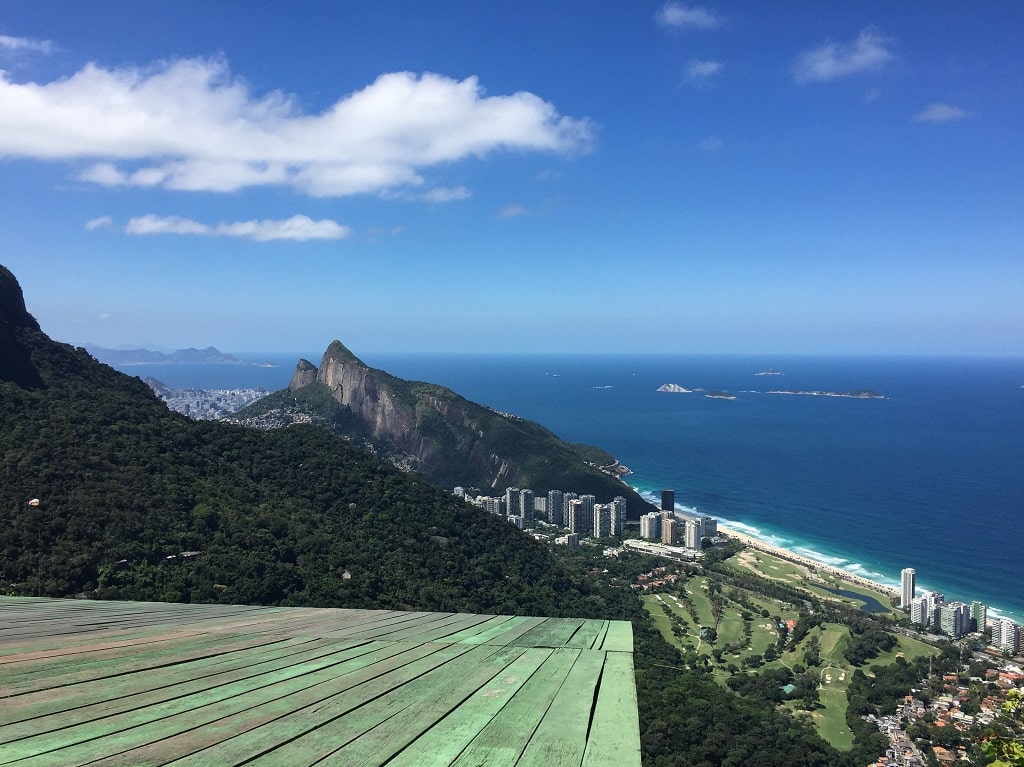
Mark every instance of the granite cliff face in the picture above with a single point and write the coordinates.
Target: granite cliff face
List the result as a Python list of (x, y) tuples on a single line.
[(446, 438), (420, 426)]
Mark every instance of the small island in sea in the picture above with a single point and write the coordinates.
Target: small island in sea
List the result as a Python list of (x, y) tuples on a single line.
[(770, 372), (859, 394), (675, 388), (718, 394)]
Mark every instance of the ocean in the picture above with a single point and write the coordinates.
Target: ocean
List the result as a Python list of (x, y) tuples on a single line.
[(931, 477)]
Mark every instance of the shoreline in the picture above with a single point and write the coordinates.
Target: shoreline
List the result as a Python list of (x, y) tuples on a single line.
[(791, 556)]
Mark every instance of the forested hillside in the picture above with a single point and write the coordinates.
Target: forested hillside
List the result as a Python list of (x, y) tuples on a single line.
[(294, 516)]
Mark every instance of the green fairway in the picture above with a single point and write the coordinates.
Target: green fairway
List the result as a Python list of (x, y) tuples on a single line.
[(830, 721)]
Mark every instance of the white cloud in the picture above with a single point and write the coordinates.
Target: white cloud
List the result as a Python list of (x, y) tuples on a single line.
[(97, 223), (298, 228), (711, 144), (942, 113), (447, 194), (700, 72), (192, 125), (681, 16), (870, 51), (8, 43), (512, 210), (105, 315)]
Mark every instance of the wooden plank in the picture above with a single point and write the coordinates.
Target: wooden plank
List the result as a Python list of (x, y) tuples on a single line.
[(590, 635), (301, 725), (619, 637), (49, 709), (367, 735), (394, 624), (438, 630), (131, 684), (503, 738), (441, 745), (614, 736), (561, 736), (68, 670), (227, 734), (553, 632), (490, 634), (425, 708), (124, 729), (492, 623), (166, 722), (509, 634)]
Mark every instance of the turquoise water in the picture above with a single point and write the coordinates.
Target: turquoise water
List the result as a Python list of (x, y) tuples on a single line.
[(932, 477)]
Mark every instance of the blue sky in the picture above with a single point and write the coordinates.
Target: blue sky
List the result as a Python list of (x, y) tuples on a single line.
[(792, 177)]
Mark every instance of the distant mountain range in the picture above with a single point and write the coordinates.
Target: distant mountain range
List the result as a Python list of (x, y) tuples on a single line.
[(209, 355)]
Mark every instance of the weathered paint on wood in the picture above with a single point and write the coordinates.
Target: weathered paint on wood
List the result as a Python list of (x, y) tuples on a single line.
[(122, 683)]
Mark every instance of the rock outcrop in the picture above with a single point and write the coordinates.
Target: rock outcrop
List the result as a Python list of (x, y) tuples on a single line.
[(446, 438), (304, 375)]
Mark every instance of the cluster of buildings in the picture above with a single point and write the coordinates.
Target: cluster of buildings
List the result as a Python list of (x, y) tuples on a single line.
[(582, 514), (205, 404), (946, 710), (669, 528), (955, 619)]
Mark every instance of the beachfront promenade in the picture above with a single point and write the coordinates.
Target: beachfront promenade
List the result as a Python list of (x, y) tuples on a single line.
[(789, 556)]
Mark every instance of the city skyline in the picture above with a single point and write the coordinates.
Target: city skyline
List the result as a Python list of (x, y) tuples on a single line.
[(645, 177)]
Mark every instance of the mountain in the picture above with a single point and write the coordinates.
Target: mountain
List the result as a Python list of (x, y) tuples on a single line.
[(15, 321), (441, 436), (106, 493), (209, 355)]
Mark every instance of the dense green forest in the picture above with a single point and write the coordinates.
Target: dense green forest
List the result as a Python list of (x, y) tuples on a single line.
[(104, 493)]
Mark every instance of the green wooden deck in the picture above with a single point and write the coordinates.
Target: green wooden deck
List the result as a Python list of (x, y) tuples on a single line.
[(138, 683)]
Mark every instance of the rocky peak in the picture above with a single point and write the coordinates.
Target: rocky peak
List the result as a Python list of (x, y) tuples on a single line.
[(13, 313), (15, 360), (305, 374)]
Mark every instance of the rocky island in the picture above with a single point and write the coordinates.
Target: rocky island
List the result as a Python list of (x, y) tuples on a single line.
[(674, 388), (718, 394), (859, 394)]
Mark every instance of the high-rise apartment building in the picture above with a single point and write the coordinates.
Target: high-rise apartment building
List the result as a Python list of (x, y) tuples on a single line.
[(556, 514), (698, 528), (580, 520), (1006, 635), (954, 619), (669, 531), (919, 613), (526, 506), (618, 515), (511, 501), (650, 525), (979, 616), (566, 497), (908, 586), (602, 520), (668, 500), (935, 601)]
